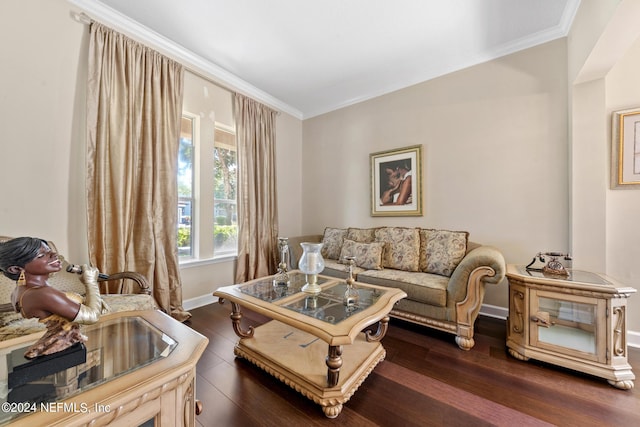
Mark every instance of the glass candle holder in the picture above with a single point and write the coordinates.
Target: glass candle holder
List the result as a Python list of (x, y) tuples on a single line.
[(351, 295), (281, 278), (311, 263)]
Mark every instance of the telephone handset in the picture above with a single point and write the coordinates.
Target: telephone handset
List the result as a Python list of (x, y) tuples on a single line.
[(554, 266)]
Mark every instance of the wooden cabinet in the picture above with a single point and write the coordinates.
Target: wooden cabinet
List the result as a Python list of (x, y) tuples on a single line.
[(576, 321)]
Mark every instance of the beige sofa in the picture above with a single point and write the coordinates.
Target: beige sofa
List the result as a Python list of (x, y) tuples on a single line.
[(442, 273)]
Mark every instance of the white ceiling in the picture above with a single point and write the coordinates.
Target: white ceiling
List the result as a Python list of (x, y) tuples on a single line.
[(317, 56)]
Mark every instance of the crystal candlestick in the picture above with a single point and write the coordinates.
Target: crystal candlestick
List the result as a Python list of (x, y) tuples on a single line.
[(351, 295), (281, 278)]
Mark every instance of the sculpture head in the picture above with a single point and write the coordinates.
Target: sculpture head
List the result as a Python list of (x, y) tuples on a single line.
[(16, 253)]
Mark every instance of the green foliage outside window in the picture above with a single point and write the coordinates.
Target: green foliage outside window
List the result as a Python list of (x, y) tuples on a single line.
[(184, 237), (221, 234)]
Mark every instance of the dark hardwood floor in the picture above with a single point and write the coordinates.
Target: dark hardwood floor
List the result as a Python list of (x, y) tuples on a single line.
[(425, 380)]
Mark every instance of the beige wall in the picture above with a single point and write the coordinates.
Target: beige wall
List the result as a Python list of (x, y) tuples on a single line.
[(42, 117), (494, 138)]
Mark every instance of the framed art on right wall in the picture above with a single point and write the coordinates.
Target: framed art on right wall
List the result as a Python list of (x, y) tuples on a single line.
[(625, 149)]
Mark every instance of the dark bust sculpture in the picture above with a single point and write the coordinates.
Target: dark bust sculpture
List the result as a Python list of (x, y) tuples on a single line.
[(29, 261)]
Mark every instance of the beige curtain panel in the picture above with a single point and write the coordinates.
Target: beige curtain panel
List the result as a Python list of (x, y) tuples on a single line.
[(134, 105), (257, 198)]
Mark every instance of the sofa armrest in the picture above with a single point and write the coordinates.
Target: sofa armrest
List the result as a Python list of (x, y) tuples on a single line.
[(115, 284), (488, 259), (484, 264)]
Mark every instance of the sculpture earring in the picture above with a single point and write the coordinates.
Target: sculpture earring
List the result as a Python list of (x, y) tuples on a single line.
[(21, 280)]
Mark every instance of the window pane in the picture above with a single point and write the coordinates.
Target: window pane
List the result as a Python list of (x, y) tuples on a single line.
[(225, 230), (185, 188)]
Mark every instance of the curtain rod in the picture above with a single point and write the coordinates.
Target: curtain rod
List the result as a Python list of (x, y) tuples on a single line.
[(81, 17)]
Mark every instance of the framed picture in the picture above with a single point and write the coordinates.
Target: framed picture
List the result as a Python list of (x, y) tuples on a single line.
[(396, 182), (625, 149)]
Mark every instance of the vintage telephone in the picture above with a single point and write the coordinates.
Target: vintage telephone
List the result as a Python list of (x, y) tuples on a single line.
[(554, 266)]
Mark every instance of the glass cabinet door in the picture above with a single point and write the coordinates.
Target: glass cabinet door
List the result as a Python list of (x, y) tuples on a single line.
[(569, 324)]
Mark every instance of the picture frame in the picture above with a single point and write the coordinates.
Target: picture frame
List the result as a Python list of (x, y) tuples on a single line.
[(625, 149), (396, 182)]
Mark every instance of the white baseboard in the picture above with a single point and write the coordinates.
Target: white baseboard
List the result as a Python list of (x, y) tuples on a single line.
[(494, 311), (200, 301), (633, 338)]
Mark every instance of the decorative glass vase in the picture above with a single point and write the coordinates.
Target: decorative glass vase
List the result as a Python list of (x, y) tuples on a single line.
[(351, 295), (281, 278), (311, 263)]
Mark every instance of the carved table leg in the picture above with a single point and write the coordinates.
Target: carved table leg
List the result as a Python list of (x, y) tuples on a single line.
[(622, 384), (517, 355), (334, 363), (465, 343), (236, 317), (383, 325), (332, 411)]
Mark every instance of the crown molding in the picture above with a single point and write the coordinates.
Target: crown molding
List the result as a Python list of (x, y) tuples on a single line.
[(117, 21)]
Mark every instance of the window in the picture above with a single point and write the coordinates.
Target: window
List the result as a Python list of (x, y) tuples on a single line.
[(186, 201), (207, 207), (207, 166), (225, 229)]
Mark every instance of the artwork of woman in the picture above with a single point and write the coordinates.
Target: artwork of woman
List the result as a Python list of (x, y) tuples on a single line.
[(30, 261), (399, 181)]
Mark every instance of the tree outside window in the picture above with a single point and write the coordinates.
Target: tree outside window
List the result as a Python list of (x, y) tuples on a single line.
[(225, 190)]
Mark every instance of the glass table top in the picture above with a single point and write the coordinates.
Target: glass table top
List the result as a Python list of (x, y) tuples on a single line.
[(266, 291), (574, 276), (327, 306), (113, 348)]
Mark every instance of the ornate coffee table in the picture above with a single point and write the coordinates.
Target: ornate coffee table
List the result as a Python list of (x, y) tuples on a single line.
[(293, 346)]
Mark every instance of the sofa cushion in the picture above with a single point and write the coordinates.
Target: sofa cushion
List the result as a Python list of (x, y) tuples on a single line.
[(367, 255), (362, 235), (402, 247), (424, 238), (422, 287), (335, 268), (129, 302), (332, 242), (444, 251), (6, 288)]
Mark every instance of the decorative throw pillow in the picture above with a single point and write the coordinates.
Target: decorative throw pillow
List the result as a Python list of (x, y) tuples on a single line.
[(402, 247), (332, 242), (362, 235), (368, 255), (424, 237), (445, 250)]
